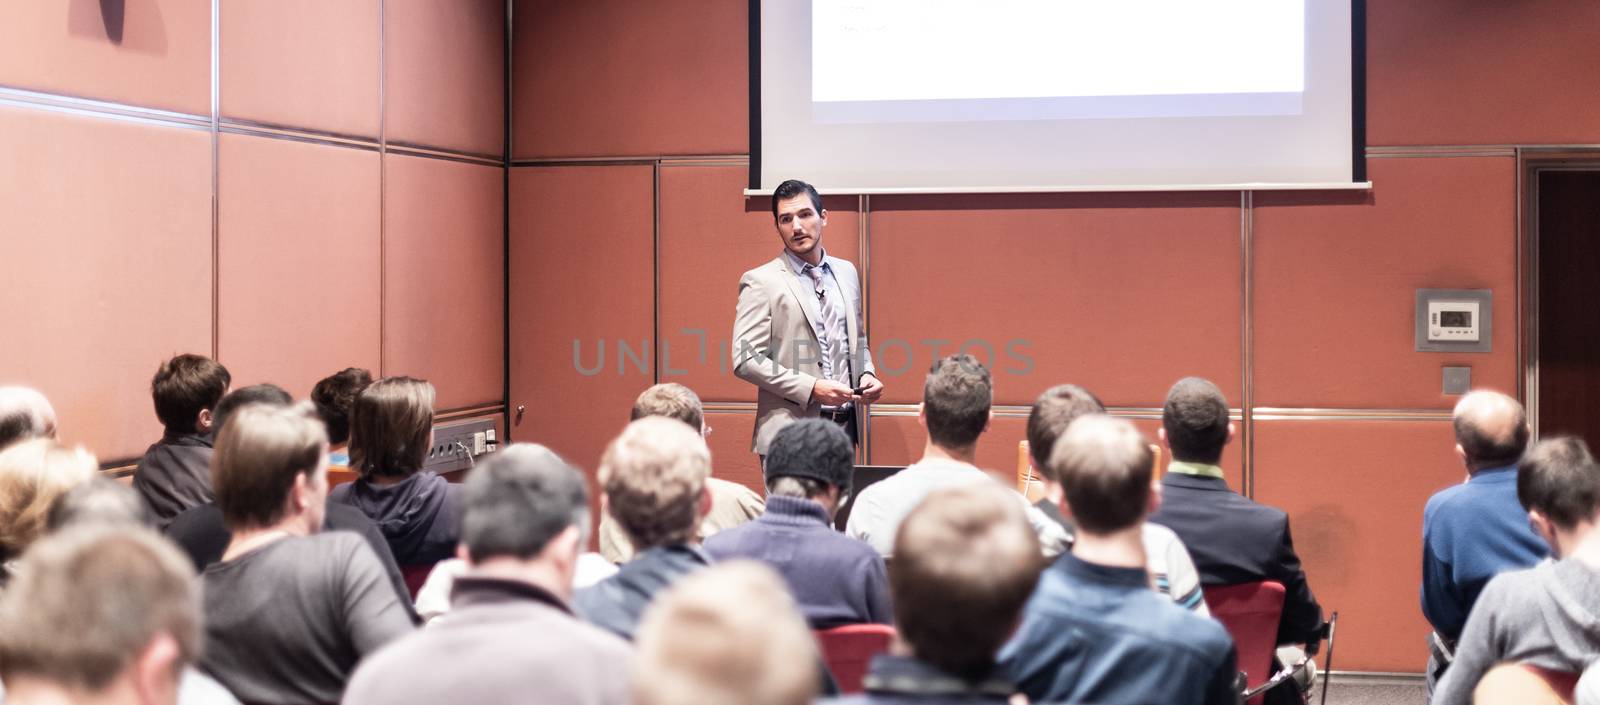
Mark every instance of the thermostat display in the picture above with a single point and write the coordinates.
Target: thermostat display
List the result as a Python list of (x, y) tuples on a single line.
[(1454, 321)]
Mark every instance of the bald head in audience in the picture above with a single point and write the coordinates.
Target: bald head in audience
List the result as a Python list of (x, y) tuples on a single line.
[(1491, 430), (99, 614), (728, 635), (25, 414)]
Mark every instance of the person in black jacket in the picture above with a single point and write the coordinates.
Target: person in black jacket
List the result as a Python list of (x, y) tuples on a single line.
[(1231, 538)]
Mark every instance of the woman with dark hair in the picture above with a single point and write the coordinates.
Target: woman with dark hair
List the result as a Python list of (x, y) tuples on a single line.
[(391, 429)]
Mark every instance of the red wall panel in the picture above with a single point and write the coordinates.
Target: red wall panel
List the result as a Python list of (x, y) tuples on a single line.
[(444, 292), (1121, 293), (581, 280), (618, 77), (1456, 72), (150, 53), (1336, 277), (444, 66), (899, 440), (299, 261), (731, 458), (106, 255), (1354, 491), (710, 235), (303, 63)]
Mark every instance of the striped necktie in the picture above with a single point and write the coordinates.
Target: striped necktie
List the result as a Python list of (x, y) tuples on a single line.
[(834, 341)]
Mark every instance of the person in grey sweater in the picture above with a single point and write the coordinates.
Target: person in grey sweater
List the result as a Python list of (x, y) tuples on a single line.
[(510, 635), (288, 612), (1549, 615)]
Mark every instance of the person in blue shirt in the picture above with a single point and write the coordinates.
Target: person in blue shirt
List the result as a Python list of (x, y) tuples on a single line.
[(1094, 631), (1476, 530)]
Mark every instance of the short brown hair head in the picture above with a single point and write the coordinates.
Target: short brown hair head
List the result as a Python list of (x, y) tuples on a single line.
[(32, 475), (258, 455), (85, 603), (673, 401), (956, 399), (1558, 478), (1052, 413), (726, 635), (1195, 417), (965, 563), (391, 426), (1104, 466), (653, 476), (185, 386), (334, 395)]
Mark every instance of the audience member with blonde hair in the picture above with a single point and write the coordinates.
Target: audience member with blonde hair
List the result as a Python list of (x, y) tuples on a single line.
[(32, 475), (654, 479), (99, 614), (289, 612), (391, 429), (732, 504), (25, 414), (511, 636), (728, 635), (965, 562)]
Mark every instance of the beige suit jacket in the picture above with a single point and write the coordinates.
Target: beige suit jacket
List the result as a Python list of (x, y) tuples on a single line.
[(775, 345)]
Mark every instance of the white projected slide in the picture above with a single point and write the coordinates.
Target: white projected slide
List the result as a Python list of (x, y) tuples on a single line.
[(940, 96), (922, 60)]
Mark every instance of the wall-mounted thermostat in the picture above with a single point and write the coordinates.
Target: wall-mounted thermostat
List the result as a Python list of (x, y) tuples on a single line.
[(1453, 320)]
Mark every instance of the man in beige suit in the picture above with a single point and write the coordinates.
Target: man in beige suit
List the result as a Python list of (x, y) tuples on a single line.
[(797, 331)]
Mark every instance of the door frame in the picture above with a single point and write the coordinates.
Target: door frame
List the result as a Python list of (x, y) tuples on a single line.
[(1532, 161)]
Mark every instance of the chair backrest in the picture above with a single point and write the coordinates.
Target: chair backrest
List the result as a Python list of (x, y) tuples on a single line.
[(848, 651), (1564, 683), (415, 576), (1250, 612)]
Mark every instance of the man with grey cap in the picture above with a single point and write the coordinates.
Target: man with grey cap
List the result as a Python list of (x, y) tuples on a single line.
[(835, 579)]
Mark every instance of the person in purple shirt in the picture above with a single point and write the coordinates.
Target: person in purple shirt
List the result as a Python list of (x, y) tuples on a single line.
[(836, 579), (1474, 531)]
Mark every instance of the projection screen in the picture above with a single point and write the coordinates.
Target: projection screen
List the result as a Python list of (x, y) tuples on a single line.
[(889, 96)]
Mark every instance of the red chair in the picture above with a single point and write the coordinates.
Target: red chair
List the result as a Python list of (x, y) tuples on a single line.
[(415, 576), (1562, 682), (1250, 612), (849, 649)]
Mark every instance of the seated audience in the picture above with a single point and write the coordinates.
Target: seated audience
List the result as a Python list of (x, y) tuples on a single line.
[(391, 429), (32, 475), (654, 479), (1094, 631), (103, 503), (728, 635), (99, 615), (836, 579), (1231, 538), (965, 563), (511, 636), (334, 396), (1549, 615), (955, 411), (175, 473), (1171, 570), (24, 415), (289, 612), (1474, 531), (732, 504), (203, 534)]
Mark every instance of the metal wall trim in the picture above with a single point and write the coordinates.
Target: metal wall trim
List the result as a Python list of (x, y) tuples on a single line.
[(22, 97), (297, 136), (1015, 411), (719, 159), (1247, 340), (484, 409), (655, 272), (392, 148), (1308, 414), (103, 115), (703, 161), (1440, 152), (426, 150), (729, 407), (505, 222), (213, 126), (864, 244), (383, 184)]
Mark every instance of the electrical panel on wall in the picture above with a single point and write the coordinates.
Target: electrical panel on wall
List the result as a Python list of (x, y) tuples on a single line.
[(1454, 320), (457, 445)]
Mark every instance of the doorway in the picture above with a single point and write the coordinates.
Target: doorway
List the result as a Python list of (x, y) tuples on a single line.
[(1563, 339)]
